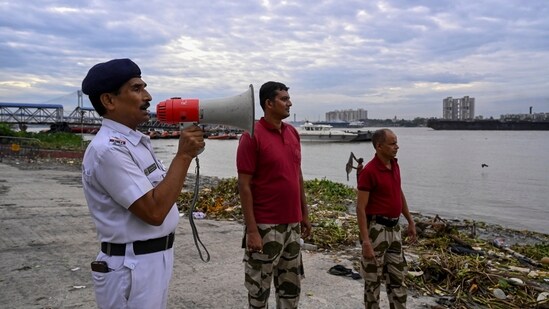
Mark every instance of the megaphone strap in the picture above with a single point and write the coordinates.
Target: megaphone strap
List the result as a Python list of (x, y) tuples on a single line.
[(196, 238)]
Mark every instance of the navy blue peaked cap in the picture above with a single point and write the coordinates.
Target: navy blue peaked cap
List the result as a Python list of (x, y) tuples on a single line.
[(109, 76)]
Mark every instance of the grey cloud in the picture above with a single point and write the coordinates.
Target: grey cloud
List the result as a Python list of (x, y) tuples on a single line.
[(385, 55)]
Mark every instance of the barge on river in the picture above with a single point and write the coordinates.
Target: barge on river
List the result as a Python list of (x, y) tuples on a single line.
[(490, 124)]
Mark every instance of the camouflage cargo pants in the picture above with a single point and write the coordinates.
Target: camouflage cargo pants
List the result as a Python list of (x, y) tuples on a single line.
[(281, 261), (391, 267)]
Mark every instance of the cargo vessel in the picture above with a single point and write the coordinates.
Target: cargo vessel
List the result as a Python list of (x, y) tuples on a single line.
[(490, 124)]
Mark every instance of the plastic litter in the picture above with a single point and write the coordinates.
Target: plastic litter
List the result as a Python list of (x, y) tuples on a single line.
[(542, 296), (499, 242), (499, 294), (340, 270)]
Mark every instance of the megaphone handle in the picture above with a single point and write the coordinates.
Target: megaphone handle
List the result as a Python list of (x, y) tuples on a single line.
[(184, 125)]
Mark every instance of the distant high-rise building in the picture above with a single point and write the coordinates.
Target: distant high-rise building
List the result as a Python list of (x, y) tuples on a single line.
[(458, 109), (347, 115)]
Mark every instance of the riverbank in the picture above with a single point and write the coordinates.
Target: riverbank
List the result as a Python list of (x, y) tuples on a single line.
[(48, 241)]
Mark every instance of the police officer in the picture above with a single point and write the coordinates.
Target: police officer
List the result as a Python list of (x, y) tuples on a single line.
[(130, 194)]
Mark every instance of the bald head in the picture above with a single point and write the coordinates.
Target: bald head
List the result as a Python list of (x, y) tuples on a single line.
[(380, 136)]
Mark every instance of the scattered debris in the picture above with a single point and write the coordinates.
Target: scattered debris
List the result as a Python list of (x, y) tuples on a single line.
[(463, 263), (24, 268), (340, 270), (199, 215)]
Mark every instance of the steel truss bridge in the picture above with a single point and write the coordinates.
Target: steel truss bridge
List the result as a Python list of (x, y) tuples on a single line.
[(49, 114), (22, 113)]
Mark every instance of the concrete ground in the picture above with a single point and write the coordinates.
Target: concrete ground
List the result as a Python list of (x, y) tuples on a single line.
[(47, 241)]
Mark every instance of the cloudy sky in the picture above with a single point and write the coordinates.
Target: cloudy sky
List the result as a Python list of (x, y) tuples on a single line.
[(393, 58)]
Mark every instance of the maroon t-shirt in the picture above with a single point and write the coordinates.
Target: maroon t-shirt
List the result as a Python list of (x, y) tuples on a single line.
[(273, 158), (384, 186)]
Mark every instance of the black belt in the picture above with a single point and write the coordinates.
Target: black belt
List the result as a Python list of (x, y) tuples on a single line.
[(140, 247), (387, 221)]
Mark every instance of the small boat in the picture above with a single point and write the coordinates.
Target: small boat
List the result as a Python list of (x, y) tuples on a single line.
[(154, 134), (356, 124), (310, 132), (86, 130), (174, 134), (223, 136), (165, 134)]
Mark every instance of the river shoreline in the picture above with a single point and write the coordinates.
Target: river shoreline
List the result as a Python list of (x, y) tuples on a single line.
[(486, 231), (48, 241), (66, 173)]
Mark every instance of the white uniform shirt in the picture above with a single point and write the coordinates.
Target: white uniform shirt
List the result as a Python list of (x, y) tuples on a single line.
[(119, 167)]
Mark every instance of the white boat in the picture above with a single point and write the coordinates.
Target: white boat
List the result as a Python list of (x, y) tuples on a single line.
[(356, 124), (310, 132)]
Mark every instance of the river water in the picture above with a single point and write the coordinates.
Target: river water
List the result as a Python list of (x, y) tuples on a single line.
[(441, 171)]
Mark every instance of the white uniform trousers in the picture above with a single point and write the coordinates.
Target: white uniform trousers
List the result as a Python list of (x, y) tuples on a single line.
[(134, 281)]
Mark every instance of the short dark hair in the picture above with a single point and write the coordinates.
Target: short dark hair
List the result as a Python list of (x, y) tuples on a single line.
[(379, 137), (95, 100), (269, 90)]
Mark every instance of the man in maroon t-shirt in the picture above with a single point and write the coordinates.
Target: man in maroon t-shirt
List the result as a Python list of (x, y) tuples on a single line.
[(273, 201), (380, 202)]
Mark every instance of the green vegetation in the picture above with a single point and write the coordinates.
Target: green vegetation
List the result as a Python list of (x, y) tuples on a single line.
[(58, 140), (220, 202), (329, 203), (333, 227), (534, 251)]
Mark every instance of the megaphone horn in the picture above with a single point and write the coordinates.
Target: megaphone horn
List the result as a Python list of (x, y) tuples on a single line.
[(237, 111)]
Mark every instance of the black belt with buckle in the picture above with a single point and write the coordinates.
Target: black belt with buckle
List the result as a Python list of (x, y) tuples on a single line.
[(388, 222), (140, 247)]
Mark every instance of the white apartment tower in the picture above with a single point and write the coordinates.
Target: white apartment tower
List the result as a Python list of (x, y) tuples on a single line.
[(347, 115), (458, 109)]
